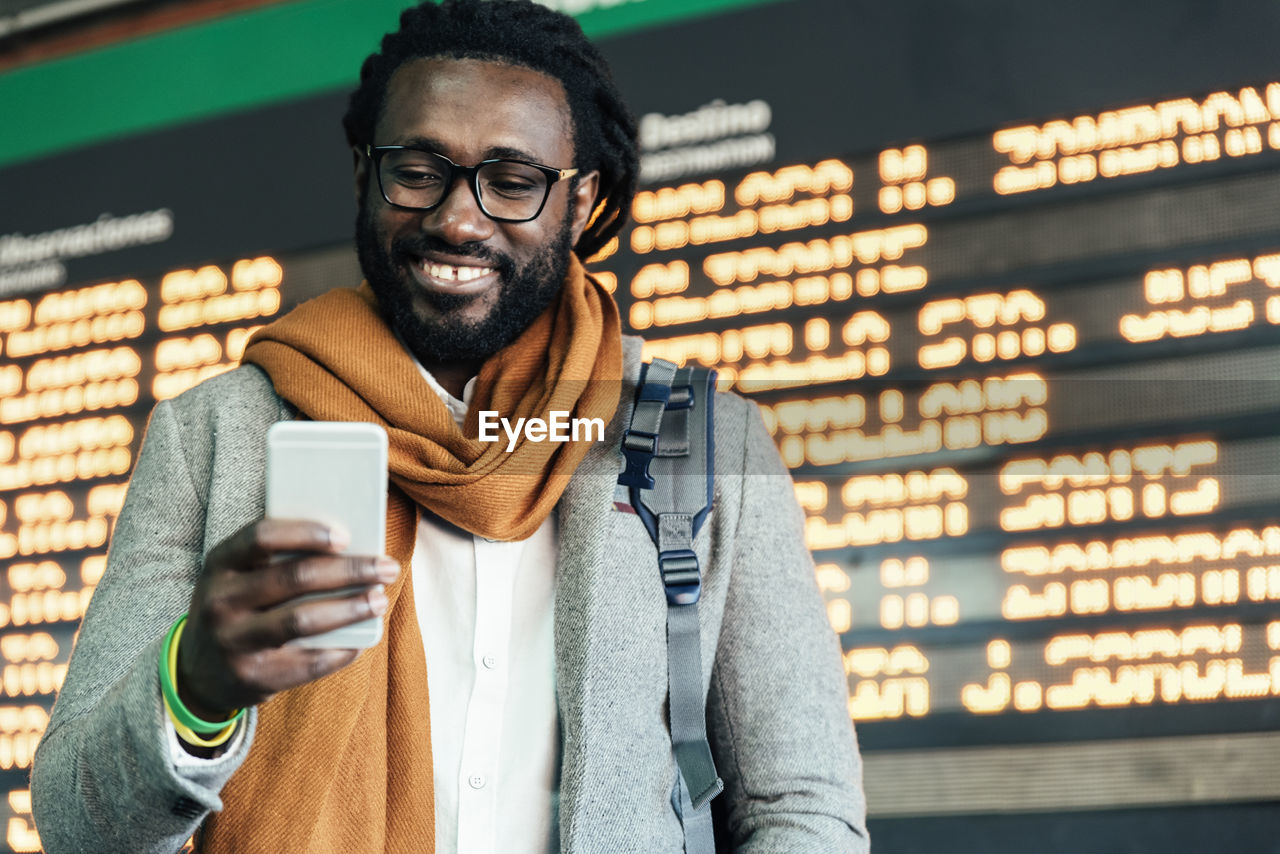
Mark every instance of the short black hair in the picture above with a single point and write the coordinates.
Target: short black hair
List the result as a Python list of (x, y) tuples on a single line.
[(519, 32)]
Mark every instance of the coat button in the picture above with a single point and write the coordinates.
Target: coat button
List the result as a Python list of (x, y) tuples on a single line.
[(476, 781)]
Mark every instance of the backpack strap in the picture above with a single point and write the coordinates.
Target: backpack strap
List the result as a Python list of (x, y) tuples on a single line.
[(669, 450)]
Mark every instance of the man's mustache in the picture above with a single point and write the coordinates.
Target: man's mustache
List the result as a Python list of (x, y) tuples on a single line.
[(426, 245)]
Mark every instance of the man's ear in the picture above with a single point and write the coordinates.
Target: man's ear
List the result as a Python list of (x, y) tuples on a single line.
[(584, 202), (360, 165)]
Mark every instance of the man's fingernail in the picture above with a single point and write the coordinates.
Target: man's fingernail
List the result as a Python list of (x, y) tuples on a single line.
[(339, 539), (378, 600), (388, 569)]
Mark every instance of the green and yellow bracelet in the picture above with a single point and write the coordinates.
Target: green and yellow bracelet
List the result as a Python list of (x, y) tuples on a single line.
[(184, 721)]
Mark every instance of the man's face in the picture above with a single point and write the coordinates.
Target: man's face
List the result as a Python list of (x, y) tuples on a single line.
[(456, 285)]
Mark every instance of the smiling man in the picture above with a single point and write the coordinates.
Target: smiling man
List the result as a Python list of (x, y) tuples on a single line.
[(518, 700), (495, 256)]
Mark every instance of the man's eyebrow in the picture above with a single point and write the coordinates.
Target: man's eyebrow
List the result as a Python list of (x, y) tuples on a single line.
[(421, 142), (495, 153), (501, 152)]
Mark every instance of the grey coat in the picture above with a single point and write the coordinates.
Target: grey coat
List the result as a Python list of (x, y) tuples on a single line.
[(102, 779)]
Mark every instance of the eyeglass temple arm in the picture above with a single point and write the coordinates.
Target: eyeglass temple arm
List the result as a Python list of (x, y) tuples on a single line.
[(560, 174)]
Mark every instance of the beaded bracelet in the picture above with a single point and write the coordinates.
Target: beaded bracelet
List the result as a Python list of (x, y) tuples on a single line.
[(184, 721)]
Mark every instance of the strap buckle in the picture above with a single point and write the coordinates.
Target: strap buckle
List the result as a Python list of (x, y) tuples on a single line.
[(681, 576), (639, 448), (681, 397)]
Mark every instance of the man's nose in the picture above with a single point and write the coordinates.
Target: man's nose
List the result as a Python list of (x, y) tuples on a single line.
[(459, 219)]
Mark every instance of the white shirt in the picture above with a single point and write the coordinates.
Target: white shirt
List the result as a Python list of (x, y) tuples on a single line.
[(486, 612)]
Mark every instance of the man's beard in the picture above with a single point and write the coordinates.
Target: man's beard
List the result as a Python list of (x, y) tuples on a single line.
[(524, 293)]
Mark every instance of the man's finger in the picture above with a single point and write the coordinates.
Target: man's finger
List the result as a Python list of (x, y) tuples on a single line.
[(279, 670), (315, 663), (283, 580), (255, 543), (276, 627)]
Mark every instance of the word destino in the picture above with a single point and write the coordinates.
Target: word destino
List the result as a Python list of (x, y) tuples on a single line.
[(558, 428)]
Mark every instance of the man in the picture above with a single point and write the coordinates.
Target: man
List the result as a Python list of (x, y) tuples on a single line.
[(517, 700)]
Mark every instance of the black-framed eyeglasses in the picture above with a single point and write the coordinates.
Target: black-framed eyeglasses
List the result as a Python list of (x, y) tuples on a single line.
[(506, 190)]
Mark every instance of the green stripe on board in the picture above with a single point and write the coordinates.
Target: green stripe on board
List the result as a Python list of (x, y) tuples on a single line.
[(271, 54)]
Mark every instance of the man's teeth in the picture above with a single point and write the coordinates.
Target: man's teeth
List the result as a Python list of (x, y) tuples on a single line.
[(450, 273)]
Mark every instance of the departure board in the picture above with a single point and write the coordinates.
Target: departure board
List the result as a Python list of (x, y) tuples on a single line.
[(1026, 383), (1022, 360)]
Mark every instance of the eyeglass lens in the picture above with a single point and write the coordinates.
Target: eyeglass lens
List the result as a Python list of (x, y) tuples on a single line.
[(419, 179)]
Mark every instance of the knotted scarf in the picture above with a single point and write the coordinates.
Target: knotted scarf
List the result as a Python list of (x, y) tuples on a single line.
[(343, 764)]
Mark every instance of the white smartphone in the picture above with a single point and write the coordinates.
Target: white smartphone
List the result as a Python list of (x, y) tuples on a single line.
[(333, 472)]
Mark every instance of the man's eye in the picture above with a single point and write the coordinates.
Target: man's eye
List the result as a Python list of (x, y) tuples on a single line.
[(511, 188), (415, 177)]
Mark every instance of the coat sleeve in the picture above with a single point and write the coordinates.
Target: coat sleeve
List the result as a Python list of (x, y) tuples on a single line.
[(104, 778), (778, 703)]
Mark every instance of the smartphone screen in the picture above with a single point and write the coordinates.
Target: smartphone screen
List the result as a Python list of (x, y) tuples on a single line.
[(333, 472)]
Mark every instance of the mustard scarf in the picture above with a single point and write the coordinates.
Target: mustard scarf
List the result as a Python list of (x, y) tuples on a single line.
[(343, 764)]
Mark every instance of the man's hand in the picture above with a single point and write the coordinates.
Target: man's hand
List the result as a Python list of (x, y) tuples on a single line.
[(234, 650)]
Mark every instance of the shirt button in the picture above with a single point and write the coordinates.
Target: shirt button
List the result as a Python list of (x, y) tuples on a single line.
[(476, 781), (489, 662)]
